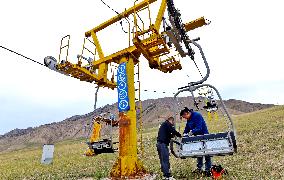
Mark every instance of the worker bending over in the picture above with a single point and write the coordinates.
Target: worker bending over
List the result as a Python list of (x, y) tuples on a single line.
[(166, 132), (196, 125)]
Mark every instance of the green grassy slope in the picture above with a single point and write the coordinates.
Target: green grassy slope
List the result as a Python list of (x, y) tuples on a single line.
[(260, 154)]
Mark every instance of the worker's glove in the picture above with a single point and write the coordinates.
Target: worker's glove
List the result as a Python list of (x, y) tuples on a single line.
[(185, 135)]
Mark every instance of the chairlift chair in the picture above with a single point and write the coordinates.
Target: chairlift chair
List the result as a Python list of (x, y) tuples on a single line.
[(99, 146), (102, 146), (218, 144)]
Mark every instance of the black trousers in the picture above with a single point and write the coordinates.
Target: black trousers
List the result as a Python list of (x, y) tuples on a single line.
[(164, 156)]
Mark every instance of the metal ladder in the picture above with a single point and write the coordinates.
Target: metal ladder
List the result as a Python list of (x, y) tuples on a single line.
[(66, 46)]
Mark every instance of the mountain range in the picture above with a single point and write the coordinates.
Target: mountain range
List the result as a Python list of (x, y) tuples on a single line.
[(78, 126)]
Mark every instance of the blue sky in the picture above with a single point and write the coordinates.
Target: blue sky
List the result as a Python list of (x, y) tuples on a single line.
[(243, 44)]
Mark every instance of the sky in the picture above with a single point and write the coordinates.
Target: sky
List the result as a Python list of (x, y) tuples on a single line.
[(243, 45)]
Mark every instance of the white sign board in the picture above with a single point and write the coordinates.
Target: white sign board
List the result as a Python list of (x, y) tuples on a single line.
[(47, 154)]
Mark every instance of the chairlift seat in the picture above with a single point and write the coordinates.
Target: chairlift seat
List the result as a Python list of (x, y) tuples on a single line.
[(211, 107), (219, 144), (103, 146)]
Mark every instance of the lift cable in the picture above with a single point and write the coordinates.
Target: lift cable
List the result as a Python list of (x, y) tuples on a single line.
[(19, 54), (109, 7), (198, 68), (116, 13)]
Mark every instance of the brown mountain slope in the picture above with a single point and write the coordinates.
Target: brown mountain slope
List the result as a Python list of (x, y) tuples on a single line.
[(154, 111)]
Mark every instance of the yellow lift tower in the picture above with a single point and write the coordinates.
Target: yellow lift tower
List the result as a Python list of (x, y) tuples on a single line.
[(149, 42)]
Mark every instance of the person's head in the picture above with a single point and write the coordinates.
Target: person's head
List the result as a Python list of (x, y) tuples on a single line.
[(185, 113), (171, 120)]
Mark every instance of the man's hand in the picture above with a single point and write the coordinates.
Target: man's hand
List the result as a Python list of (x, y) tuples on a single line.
[(188, 134)]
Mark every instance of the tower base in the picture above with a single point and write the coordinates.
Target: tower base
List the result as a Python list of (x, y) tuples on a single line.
[(127, 167)]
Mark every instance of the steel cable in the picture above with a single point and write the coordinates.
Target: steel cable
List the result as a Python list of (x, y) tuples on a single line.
[(19, 54)]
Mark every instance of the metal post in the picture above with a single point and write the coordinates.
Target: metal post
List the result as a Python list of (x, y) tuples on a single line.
[(111, 133), (96, 98), (127, 164), (140, 113)]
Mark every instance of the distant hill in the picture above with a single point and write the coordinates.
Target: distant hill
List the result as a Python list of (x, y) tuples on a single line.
[(154, 111), (260, 155)]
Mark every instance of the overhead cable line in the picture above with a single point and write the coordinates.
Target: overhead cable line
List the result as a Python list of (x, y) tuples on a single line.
[(156, 91), (19, 54), (198, 69), (109, 7), (121, 16)]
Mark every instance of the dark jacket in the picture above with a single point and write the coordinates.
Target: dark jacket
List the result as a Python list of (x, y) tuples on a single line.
[(166, 131), (196, 124)]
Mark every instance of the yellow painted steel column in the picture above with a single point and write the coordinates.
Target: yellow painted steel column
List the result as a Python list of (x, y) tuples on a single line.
[(102, 74), (160, 15), (128, 164)]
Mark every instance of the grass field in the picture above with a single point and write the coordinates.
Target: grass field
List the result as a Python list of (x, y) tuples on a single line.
[(260, 154)]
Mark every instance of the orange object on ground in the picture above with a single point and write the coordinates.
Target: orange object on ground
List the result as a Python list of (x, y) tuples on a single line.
[(217, 171)]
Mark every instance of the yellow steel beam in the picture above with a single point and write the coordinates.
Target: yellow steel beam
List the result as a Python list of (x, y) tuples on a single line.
[(160, 15), (102, 74), (115, 57), (157, 25), (120, 16), (97, 44), (83, 74), (195, 24)]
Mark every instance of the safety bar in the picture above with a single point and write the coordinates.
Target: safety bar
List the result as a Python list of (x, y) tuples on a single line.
[(172, 147), (229, 136)]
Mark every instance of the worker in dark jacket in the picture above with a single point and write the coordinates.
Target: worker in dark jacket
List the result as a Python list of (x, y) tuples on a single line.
[(166, 132), (196, 125)]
